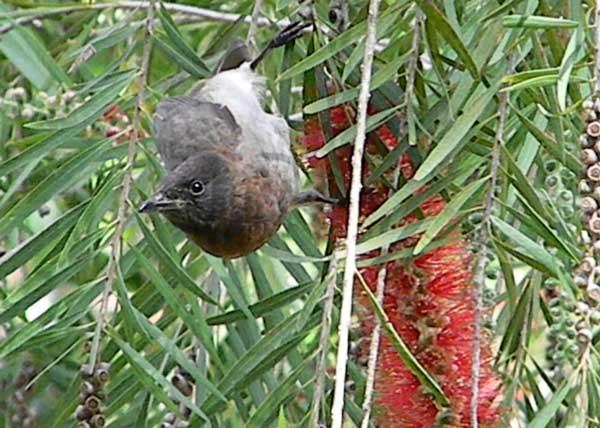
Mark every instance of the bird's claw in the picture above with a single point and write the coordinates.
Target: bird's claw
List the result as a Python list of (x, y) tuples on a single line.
[(289, 33)]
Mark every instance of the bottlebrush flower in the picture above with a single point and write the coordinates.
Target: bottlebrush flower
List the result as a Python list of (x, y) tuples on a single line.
[(429, 300)]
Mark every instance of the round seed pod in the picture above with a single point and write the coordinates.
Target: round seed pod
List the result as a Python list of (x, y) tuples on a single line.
[(584, 141), (593, 292), (588, 204), (83, 412), (182, 384), (98, 421), (588, 264), (102, 373), (93, 403), (584, 187), (447, 418), (597, 147), (594, 224), (588, 156), (581, 324), (591, 116), (593, 128), (86, 371), (87, 388), (29, 422), (169, 418), (596, 193), (83, 424), (584, 336), (182, 424), (593, 172), (582, 309), (587, 105)]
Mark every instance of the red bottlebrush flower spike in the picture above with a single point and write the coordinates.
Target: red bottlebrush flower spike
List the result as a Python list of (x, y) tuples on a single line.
[(429, 302)]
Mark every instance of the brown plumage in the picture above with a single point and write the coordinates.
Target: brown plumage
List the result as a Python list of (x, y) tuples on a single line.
[(231, 176)]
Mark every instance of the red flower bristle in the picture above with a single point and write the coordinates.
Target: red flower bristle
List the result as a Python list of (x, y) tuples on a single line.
[(429, 301)]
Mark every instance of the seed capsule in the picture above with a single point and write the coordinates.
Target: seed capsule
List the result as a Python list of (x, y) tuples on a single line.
[(588, 105), (588, 264), (83, 412), (582, 309), (584, 187), (87, 388), (102, 373), (593, 172), (593, 128), (92, 403), (588, 204), (98, 421), (584, 141), (588, 156), (593, 292), (584, 336), (182, 384), (590, 116), (594, 224)]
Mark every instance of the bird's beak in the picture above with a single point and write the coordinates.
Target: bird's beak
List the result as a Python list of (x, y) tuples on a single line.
[(158, 202)]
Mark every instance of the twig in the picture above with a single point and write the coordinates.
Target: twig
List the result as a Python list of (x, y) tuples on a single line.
[(127, 180), (355, 187), (191, 11), (251, 38), (382, 275), (597, 58), (323, 342), (480, 263)]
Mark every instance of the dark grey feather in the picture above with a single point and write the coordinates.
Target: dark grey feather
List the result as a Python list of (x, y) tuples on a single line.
[(186, 126), (237, 54)]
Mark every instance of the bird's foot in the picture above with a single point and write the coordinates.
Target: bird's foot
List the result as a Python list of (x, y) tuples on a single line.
[(289, 34)]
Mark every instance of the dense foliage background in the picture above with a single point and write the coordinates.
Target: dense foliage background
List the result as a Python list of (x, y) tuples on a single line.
[(452, 80)]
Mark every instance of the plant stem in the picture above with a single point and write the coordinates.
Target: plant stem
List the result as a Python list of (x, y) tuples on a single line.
[(355, 187)]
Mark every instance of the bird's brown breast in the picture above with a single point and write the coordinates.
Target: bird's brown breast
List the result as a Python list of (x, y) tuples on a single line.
[(252, 216)]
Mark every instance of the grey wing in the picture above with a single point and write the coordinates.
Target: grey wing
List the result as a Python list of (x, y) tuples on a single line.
[(186, 126)]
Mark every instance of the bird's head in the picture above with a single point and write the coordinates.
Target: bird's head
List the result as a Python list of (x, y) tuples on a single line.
[(194, 195)]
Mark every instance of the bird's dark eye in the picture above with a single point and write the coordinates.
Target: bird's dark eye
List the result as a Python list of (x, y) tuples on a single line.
[(197, 187)]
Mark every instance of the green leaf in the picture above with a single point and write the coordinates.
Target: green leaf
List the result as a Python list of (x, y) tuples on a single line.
[(171, 264), (267, 411), (95, 106), (403, 352), (31, 58), (537, 22), (340, 42), (180, 45), (443, 27), (566, 66), (448, 214), (543, 417), (456, 133), (33, 246), (150, 375), (67, 176), (348, 135), (381, 76)]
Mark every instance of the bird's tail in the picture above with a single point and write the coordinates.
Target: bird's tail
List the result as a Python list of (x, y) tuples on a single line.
[(237, 54)]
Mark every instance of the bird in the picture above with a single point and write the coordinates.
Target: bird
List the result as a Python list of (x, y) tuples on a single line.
[(231, 174)]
